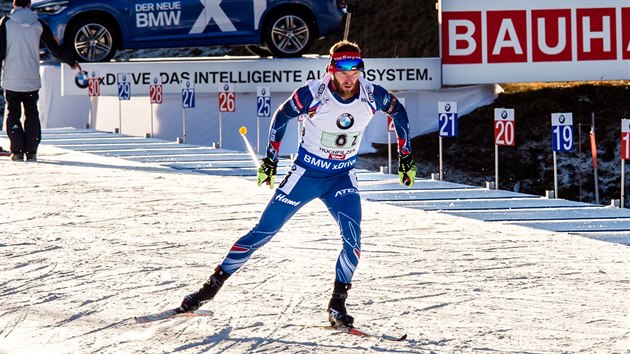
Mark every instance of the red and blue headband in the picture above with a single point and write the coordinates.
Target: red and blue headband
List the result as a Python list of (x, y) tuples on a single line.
[(346, 61)]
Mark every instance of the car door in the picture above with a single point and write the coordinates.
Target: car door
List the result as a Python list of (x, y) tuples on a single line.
[(233, 20), (166, 23)]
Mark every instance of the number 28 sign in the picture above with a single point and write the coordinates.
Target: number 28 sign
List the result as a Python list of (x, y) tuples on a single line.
[(155, 90), (504, 126), (625, 139)]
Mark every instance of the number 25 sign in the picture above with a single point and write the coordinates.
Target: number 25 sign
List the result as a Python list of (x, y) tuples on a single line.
[(504, 126)]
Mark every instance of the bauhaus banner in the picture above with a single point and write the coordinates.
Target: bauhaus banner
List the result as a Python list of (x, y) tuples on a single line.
[(534, 40)]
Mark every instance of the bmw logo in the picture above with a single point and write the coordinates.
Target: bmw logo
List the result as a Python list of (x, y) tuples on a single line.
[(447, 107), (155, 81), (345, 121), (226, 87), (81, 79), (504, 114), (562, 119)]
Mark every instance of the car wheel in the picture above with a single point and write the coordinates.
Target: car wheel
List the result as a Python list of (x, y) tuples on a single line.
[(288, 34), (258, 50), (92, 41)]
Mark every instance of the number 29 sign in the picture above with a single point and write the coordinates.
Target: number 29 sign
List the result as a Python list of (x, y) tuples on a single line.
[(504, 127)]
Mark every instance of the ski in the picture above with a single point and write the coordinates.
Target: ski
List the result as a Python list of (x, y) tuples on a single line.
[(363, 333), (171, 314)]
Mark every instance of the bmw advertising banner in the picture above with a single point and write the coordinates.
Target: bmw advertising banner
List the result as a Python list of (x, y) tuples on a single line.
[(280, 75)]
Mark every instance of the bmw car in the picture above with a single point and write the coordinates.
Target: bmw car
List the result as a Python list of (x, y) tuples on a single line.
[(94, 30)]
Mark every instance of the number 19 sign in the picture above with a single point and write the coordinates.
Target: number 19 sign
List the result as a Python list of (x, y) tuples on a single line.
[(504, 127), (562, 131)]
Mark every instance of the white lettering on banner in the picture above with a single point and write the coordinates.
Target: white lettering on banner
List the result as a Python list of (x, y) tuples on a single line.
[(561, 41), (280, 75), (589, 35), (212, 11), (469, 28), (507, 38)]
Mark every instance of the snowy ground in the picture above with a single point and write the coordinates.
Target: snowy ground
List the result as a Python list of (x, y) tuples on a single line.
[(88, 242)]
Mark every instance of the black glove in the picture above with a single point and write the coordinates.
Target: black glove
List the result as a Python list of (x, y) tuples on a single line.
[(406, 170), (267, 172)]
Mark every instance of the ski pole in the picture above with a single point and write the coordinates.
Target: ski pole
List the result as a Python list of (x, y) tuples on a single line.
[(243, 131)]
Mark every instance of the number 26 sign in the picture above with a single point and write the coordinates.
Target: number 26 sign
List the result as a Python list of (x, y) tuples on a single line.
[(504, 126)]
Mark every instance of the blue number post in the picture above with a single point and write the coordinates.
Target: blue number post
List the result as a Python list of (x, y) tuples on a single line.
[(188, 101), (447, 124), (124, 94), (561, 140), (263, 110)]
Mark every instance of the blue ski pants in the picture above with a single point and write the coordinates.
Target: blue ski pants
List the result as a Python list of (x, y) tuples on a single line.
[(338, 191)]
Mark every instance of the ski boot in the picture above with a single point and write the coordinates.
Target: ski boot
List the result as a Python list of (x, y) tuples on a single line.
[(337, 314), (207, 292)]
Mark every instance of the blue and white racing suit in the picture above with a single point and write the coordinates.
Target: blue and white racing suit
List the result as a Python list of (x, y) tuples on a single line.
[(324, 166)]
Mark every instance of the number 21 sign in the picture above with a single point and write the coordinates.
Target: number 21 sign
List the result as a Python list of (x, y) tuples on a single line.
[(504, 127)]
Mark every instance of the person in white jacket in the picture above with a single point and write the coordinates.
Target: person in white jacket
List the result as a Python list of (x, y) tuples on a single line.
[(20, 34)]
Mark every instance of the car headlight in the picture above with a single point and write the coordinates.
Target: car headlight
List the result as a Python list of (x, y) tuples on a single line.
[(50, 8)]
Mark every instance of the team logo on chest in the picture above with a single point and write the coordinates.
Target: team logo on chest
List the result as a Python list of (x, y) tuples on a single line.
[(345, 121)]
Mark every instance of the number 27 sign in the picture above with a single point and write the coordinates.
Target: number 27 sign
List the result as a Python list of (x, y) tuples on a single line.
[(504, 126)]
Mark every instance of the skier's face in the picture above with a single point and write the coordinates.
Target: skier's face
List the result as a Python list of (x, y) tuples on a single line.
[(346, 82)]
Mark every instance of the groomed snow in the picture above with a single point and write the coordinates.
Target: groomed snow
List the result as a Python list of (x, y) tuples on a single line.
[(88, 242)]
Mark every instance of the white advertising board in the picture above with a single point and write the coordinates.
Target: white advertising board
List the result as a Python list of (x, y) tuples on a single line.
[(280, 75), (485, 41)]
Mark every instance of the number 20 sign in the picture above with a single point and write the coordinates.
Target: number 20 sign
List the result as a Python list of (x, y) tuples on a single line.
[(504, 126), (625, 139)]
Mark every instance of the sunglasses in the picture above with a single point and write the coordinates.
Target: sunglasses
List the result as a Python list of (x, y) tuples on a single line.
[(347, 65)]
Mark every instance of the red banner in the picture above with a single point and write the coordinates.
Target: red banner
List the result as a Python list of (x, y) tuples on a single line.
[(593, 148)]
